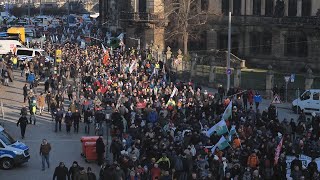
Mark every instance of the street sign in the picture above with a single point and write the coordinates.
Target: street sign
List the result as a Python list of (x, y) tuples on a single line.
[(276, 100), (228, 71), (58, 55), (287, 78), (292, 77)]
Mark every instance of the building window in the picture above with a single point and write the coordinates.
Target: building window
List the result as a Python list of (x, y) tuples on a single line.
[(306, 8), (204, 5), (236, 7), (225, 7), (292, 8), (260, 43), (269, 8), (296, 45), (142, 5), (257, 7), (254, 42)]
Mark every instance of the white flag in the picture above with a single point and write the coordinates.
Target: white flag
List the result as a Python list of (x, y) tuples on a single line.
[(175, 90), (133, 66), (104, 48)]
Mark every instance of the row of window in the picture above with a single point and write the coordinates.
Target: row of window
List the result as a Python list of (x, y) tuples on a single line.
[(261, 44), (270, 7)]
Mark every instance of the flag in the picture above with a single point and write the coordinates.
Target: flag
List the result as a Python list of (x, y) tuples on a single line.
[(277, 153), (227, 112), (220, 128), (232, 132), (133, 66), (104, 49), (221, 144), (175, 90), (106, 58)]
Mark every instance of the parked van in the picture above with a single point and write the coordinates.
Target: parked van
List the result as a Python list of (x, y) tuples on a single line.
[(12, 152), (9, 45), (28, 53), (309, 102)]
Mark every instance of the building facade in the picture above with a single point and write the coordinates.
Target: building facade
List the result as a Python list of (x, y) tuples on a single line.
[(282, 33)]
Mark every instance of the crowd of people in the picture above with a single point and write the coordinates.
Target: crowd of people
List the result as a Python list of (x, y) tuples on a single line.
[(158, 124)]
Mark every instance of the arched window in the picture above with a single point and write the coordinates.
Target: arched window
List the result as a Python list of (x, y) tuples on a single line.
[(225, 7), (236, 7), (257, 7), (292, 8), (269, 7), (306, 8)]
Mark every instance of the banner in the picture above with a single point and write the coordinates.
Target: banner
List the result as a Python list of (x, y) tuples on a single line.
[(58, 55), (277, 153), (175, 90), (227, 112), (221, 144), (133, 66)]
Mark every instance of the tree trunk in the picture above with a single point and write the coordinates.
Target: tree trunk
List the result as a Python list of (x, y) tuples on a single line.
[(185, 42)]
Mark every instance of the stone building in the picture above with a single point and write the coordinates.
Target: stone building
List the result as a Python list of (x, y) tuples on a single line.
[(283, 33)]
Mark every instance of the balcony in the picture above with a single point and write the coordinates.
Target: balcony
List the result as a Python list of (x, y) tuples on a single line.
[(311, 21), (141, 17)]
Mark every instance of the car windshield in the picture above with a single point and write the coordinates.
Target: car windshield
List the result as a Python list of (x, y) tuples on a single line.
[(6, 138)]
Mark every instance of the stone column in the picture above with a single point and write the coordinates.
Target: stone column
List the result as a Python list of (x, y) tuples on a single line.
[(249, 7), (299, 8), (286, 7), (237, 76), (263, 7), (243, 7), (212, 74), (179, 63), (269, 82), (211, 39), (309, 79), (193, 67)]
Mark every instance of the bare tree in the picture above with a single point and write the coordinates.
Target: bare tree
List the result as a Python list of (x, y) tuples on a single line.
[(185, 18)]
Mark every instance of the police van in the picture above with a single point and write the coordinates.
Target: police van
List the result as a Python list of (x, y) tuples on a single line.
[(12, 152), (309, 102)]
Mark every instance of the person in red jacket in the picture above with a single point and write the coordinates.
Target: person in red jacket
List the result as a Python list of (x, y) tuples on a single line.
[(155, 172)]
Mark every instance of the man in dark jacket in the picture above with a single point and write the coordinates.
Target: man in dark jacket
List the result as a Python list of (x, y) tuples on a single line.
[(76, 117), (58, 119), (23, 121), (74, 170), (100, 149), (25, 93), (61, 172)]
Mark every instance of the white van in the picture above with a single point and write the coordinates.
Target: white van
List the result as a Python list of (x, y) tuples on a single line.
[(309, 101), (28, 53), (12, 152), (9, 45)]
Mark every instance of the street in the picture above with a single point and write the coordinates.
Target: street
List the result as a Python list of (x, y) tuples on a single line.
[(65, 147)]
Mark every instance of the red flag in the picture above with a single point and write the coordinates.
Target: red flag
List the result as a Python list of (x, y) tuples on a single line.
[(106, 58), (278, 150)]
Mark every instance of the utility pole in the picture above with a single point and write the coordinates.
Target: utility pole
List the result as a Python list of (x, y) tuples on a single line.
[(29, 10), (228, 57), (40, 7)]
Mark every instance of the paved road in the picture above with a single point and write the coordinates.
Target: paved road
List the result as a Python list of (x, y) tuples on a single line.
[(66, 148)]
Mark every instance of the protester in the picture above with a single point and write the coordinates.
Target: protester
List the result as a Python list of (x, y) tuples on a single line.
[(61, 172), (100, 149), (45, 149), (23, 121)]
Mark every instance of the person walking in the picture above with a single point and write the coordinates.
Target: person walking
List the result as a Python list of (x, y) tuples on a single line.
[(76, 117), (25, 93), (90, 174), (257, 100), (82, 175), (23, 121), (41, 102), (74, 170), (100, 149), (68, 120), (45, 149), (58, 119), (61, 172)]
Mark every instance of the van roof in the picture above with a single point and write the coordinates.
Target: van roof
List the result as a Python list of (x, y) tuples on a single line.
[(30, 49)]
